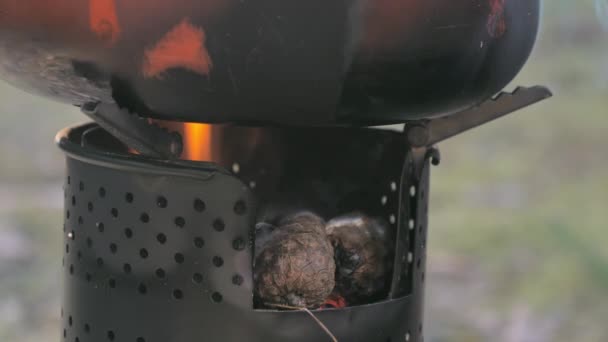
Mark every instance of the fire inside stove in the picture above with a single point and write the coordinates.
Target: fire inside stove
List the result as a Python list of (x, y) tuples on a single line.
[(302, 259), (198, 140)]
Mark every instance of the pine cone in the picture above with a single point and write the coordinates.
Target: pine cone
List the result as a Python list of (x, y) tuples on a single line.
[(296, 266), (363, 251)]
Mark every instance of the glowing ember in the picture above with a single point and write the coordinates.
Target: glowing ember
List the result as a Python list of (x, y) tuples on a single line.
[(334, 301)]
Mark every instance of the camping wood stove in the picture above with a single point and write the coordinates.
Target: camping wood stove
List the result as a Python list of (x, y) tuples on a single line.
[(221, 125), (162, 250)]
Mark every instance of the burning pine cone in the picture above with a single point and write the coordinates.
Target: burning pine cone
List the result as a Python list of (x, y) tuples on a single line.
[(363, 257), (296, 265)]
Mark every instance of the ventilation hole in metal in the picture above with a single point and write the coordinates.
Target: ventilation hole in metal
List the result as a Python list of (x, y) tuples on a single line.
[(219, 225), (418, 263), (99, 262), (218, 261), (413, 191), (65, 333), (71, 269), (67, 214), (112, 283), (127, 268), (144, 217), (76, 339), (81, 186), (197, 278), (240, 208), (69, 180), (199, 205), (411, 224), (143, 253), (160, 273), (392, 219), (236, 168), (79, 255), (128, 233), (384, 200), (100, 226), (410, 257), (129, 197), (113, 248), (80, 220), (111, 335), (70, 321), (199, 242), (178, 294), (422, 277), (114, 212), (162, 202), (239, 244), (407, 336), (420, 328), (142, 289), (101, 192), (87, 328), (216, 297), (161, 238), (179, 258), (73, 201), (393, 186), (72, 235), (90, 207), (88, 277), (180, 222), (237, 280), (89, 242), (67, 249)]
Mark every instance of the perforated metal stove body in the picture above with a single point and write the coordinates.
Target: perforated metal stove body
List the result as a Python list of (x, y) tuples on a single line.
[(161, 251)]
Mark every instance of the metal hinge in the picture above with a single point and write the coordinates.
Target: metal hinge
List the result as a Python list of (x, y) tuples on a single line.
[(135, 132)]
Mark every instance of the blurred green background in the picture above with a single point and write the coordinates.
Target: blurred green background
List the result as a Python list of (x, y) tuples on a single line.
[(519, 208)]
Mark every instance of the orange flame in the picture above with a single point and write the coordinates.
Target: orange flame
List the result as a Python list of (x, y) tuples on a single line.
[(197, 139)]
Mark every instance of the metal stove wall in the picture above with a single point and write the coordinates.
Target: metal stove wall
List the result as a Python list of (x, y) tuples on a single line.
[(157, 254)]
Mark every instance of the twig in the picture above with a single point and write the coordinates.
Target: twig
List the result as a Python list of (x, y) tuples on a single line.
[(323, 326)]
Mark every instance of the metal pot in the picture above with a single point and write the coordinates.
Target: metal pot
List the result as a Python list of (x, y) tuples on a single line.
[(269, 61)]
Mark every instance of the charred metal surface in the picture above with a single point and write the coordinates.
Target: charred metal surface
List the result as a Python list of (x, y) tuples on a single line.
[(158, 251), (296, 63)]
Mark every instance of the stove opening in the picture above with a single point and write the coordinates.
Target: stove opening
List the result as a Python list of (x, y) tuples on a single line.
[(329, 204)]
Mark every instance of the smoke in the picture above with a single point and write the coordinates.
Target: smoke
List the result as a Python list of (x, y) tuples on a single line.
[(601, 9)]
